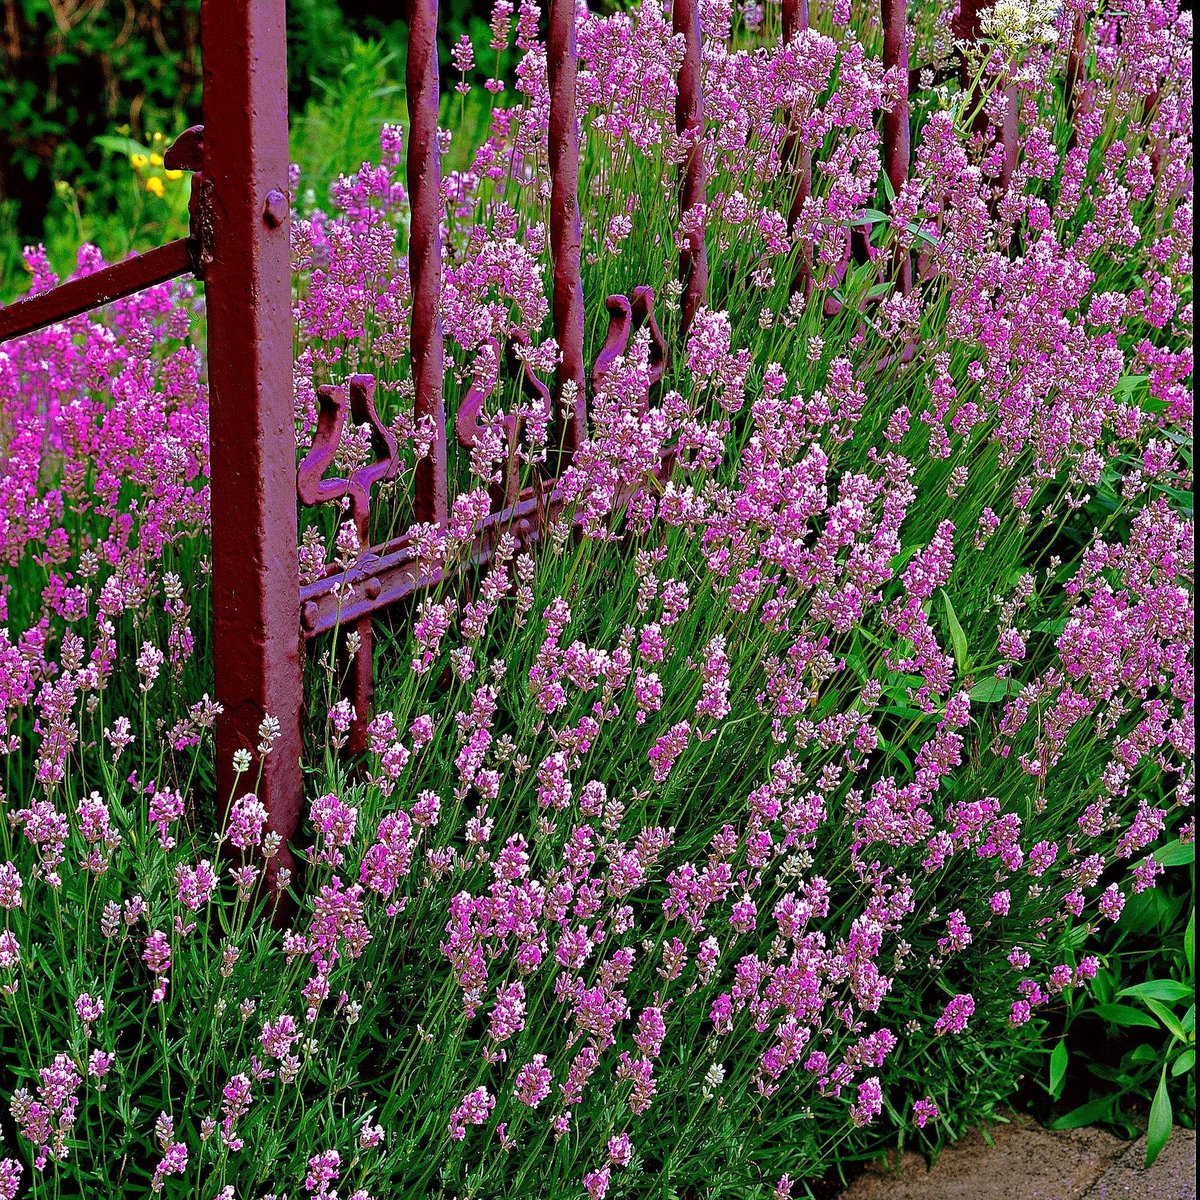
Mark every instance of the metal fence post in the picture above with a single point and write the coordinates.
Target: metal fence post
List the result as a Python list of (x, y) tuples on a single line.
[(425, 256), (689, 125), (897, 138), (566, 237), (255, 581), (795, 22)]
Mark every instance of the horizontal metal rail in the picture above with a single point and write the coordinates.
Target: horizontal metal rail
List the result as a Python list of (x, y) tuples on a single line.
[(77, 296)]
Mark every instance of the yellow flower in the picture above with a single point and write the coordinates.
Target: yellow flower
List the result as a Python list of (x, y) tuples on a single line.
[(156, 160), (173, 174), (138, 161), (154, 186)]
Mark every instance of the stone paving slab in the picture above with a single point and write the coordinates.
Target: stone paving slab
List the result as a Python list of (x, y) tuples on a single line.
[(1027, 1162), (1173, 1176)]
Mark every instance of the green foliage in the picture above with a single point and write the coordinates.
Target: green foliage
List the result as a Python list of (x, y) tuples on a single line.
[(70, 76), (1132, 1042)]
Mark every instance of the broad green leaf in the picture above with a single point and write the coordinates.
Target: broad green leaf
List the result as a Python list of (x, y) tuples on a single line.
[(1058, 1068), (121, 145), (1128, 384), (1184, 1063), (992, 691), (1176, 854), (1170, 990), (1123, 1014), (1051, 626), (958, 639), (1159, 1128)]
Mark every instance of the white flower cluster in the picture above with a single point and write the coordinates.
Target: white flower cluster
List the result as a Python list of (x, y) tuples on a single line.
[(1018, 25)]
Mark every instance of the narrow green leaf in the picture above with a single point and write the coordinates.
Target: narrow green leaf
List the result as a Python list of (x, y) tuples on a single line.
[(1085, 1114), (1170, 990), (1166, 1016), (1184, 1063), (921, 234), (958, 639), (1159, 1128), (1189, 942), (1058, 1068), (1123, 1014)]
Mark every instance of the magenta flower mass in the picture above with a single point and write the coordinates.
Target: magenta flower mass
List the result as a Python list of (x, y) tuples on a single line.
[(789, 791)]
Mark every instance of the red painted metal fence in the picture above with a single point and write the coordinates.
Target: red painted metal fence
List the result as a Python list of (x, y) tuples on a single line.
[(239, 246)]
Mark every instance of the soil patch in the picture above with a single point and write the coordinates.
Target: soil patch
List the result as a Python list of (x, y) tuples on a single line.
[(1027, 1162)]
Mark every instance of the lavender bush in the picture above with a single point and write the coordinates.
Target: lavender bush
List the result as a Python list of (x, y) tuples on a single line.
[(756, 816)]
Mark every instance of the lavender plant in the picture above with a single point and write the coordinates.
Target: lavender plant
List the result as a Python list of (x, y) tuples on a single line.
[(758, 814)]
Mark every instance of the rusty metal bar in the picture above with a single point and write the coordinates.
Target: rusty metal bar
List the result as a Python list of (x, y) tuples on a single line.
[(566, 237), (795, 19), (1077, 93), (393, 572), (256, 647), (1073, 76), (795, 22), (100, 287), (313, 488), (431, 502), (897, 138), (689, 125), (966, 27)]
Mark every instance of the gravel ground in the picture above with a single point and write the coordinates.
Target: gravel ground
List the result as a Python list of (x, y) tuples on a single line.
[(1028, 1162)]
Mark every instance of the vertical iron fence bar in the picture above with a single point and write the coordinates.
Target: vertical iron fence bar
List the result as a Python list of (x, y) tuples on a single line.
[(431, 503), (966, 27), (897, 146), (1076, 94), (255, 579), (1073, 77), (795, 22), (795, 19), (566, 237), (689, 125)]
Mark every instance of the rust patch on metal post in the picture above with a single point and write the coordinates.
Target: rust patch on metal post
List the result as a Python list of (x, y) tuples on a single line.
[(431, 502), (897, 137), (256, 609), (689, 125), (566, 236)]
